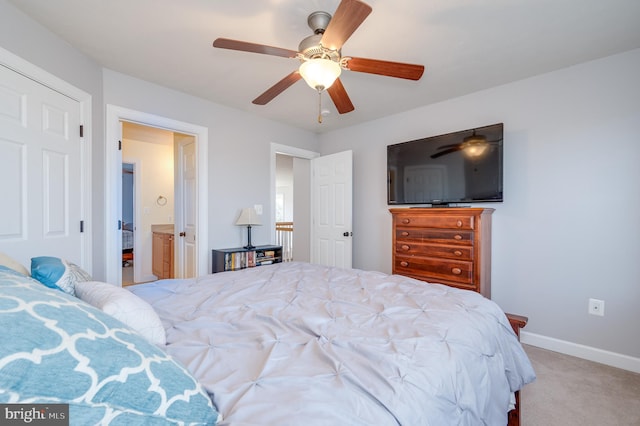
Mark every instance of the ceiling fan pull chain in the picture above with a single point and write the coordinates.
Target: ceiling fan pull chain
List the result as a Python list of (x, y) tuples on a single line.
[(320, 106)]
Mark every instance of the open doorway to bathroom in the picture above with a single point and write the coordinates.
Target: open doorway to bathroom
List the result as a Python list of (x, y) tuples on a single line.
[(148, 194)]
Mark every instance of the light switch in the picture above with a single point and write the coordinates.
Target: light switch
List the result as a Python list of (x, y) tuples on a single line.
[(258, 208)]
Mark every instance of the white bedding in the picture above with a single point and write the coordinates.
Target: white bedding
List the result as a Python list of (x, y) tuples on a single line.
[(300, 344)]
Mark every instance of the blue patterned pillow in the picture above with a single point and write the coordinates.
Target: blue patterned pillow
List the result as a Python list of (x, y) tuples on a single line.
[(58, 273), (57, 349)]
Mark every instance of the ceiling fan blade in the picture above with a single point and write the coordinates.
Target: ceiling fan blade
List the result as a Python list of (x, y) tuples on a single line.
[(449, 146), (386, 68), (346, 19), (446, 151), (340, 98), (277, 88), (225, 43)]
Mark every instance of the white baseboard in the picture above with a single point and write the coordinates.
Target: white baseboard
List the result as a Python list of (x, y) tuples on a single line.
[(581, 351)]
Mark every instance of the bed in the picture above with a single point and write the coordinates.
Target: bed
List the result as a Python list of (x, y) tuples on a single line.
[(284, 344), (296, 343)]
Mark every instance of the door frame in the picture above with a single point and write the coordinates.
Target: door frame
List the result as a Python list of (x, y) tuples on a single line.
[(41, 76), (113, 192)]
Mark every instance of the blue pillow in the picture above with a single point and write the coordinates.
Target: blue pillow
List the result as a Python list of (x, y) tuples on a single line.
[(57, 273), (58, 349)]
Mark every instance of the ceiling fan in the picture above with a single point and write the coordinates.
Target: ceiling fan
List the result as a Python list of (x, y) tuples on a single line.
[(473, 146), (321, 56)]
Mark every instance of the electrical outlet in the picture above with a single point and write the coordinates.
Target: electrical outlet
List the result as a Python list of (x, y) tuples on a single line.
[(596, 307), (258, 208)]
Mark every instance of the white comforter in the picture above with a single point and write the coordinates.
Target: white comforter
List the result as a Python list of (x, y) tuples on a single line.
[(300, 344)]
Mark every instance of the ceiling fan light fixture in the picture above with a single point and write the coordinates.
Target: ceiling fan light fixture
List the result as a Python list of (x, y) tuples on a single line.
[(320, 73), (476, 150), (474, 147)]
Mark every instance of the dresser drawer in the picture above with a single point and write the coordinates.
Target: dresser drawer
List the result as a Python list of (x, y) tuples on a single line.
[(406, 248), (429, 221), (431, 235), (434, 269)]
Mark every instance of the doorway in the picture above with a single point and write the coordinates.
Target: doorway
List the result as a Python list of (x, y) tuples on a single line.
[(322, 205), (290, 196), (115, 117), (292, 207), (148, 182)]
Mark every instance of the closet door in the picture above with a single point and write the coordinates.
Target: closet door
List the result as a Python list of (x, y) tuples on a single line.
[(40, 171)]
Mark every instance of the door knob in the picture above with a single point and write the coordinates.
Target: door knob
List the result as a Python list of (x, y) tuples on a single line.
[(183, 234), (347, 234)]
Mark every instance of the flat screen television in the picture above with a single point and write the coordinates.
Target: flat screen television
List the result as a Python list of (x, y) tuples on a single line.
[(459, 167)]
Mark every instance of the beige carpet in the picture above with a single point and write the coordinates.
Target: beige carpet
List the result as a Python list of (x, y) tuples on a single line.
[(572, 391)]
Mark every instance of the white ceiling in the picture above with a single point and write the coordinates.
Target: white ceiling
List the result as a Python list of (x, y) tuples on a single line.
[(465, 45)]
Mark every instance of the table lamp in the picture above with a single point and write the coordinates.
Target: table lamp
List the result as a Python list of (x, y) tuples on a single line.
[(248, 217)]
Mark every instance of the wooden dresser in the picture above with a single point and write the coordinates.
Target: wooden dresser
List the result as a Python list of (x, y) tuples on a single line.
[(450, 246)]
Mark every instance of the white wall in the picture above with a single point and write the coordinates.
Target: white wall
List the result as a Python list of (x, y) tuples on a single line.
[(284, 184), (568, 228), (302, 210)]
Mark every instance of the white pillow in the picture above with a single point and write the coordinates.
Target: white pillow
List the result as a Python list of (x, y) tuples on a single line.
[(13, 264), (124, 306)]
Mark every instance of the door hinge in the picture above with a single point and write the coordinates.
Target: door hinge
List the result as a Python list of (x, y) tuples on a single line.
[(119, 225), (81, 131), (82, 226), (119, 145)]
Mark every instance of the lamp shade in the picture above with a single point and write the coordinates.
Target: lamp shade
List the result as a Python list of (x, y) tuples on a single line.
[(248, 217), (320, 73)]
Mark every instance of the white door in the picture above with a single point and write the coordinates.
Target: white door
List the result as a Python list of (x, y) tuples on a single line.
[(40, 170), (187, 214), (331, 239)]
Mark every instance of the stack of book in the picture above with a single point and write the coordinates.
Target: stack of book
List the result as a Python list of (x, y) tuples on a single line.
[(265, 257), (239, 260)]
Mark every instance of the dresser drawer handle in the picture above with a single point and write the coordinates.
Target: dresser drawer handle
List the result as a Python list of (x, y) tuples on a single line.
[(457, 253), (406, 221), (404, 264), (404, 234), (456, 271), (457, 237), (459, 223), (405, 247)]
